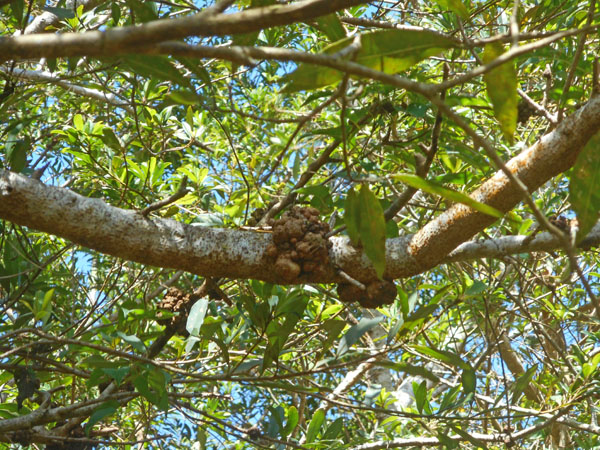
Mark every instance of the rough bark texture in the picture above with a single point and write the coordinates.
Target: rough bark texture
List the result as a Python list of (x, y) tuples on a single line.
[(241, 254), (93, 43), (552, 154)]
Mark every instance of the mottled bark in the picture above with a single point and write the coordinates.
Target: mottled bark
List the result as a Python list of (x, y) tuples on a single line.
[(241, 254)]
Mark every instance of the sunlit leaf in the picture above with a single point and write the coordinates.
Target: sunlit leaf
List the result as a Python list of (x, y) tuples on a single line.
[(389, 51), (501, 86), (331, 26), (196, 316), (372, 228), (456, 6), (584, 186), (445, 356), (157, 67), (454, 196), (355, 332), (315, 425)]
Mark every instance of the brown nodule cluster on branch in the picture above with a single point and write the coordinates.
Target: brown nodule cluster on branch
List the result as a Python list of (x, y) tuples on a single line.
[(179, 303), (376, 294), (300, 245)]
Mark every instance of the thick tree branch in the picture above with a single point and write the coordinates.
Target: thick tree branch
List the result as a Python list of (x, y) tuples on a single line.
[(241, 254), (205, 23)]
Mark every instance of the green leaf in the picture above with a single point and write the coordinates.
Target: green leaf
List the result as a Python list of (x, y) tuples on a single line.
[(17, 9), (584, 186), (501, 86), (334, 429), (132, 340), (522, 382), (456, 6), (156, 67), (104, 410), (331, 26), (78, 122), (292, 420), (408, 368), (117, 374), (61, 13), (454, 196), (469, 381), (315, 426), (420, 392), (445, 356), (352, 216), (17, 154), (389, 51), (196, 316), (110, 139), (372, 228), (355, 332), (184, 97)]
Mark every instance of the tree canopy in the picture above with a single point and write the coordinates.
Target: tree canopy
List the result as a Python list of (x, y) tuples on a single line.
[(299, 224)]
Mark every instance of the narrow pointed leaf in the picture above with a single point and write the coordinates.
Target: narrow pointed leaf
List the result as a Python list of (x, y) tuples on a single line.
[(456, 6), (445, 356), (315, 426), (355, 332), (501, 86), (196, 316), (352, 216), (584, 186), (156, 66), (469, 380), (372, 228), (104, 410), (389, 51), (522, 382), (449, 194)]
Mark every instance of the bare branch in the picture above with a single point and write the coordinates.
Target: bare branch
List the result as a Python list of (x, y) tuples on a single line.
[(181, 192), (46, 77), (241, 254), (206, 23)]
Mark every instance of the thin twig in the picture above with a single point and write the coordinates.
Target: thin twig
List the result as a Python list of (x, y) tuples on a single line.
[(181, 192)]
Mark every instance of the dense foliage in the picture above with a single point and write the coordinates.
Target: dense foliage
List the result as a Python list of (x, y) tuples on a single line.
[(379, 115)]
